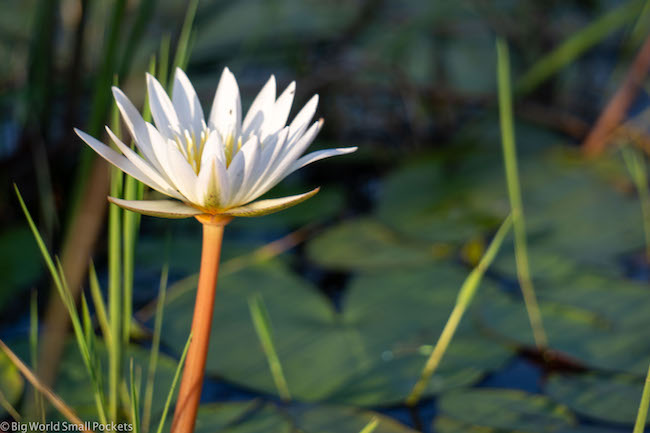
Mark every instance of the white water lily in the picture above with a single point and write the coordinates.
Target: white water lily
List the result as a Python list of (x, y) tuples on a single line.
[(219, 167)]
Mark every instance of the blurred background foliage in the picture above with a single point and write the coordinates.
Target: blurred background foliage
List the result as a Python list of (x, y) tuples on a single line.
[(359, 280)]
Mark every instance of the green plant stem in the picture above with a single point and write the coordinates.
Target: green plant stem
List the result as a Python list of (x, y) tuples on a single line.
[(262, 323), (33, 346), (155, 350), (371, 426), (642, 414), (576, 45), (115, 302), (514, 193), (170, 394), (183, 48), (189, 393), (464, 299)]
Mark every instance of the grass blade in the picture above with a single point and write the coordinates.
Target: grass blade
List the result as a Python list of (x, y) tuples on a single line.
[(371, 426), (642, 414), (66, 411), (177, 375), (577, 45), (183, 48), (262, 324), (115, 303), (56, 272), (155, 349), (465, 295), (98, 302), (514, 193), (33, 350), (135, 405)]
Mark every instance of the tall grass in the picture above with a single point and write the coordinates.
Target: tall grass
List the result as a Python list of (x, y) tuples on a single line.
[(514, 194)]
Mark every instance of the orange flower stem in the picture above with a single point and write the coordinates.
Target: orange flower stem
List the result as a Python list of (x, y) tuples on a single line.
[(189, 394)]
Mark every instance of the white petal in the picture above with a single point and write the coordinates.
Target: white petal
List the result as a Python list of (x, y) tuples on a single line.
[(137, 127), (213, 184), (302, 119), (213, 148), (280, 112), (159, 145), (182, 174), (225, 115), (269, 160), (158, 208), (265, 207), (187, 105), (119, 161), (287, 158), (144, 166), (317, 156), (260, 109), (162, 109), (251, 153)]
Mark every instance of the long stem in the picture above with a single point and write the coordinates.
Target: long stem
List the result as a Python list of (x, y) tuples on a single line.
[(189, 393), (514, 193)]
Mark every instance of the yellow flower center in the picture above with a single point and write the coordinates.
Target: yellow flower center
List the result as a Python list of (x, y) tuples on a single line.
[(191, 150)]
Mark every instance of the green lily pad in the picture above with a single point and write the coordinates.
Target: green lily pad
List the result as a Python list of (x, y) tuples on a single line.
[(261, 417), (501, 410), (366, 244), (445, 424), (575, 210), (11, 383), (424, 201), (369, 354), (613, 399), (601, 322)]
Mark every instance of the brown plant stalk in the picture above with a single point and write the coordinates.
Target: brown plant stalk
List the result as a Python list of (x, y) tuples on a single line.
[(189, 393), (614, 114)]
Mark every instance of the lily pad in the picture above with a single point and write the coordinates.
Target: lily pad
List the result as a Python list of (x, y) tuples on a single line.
[(575, 209), (613, 399), (367, 244), (599, 321), (11, 383), (501, 410), (424, 200), (370, 354), (261, 417)]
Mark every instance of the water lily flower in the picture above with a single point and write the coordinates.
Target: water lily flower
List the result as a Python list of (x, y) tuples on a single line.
[(218, 167)]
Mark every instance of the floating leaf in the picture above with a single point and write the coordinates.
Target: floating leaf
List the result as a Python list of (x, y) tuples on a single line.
[(260, 417), (612, 399), (503, 410), (366, 244), (602, 322), (369, 354)]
